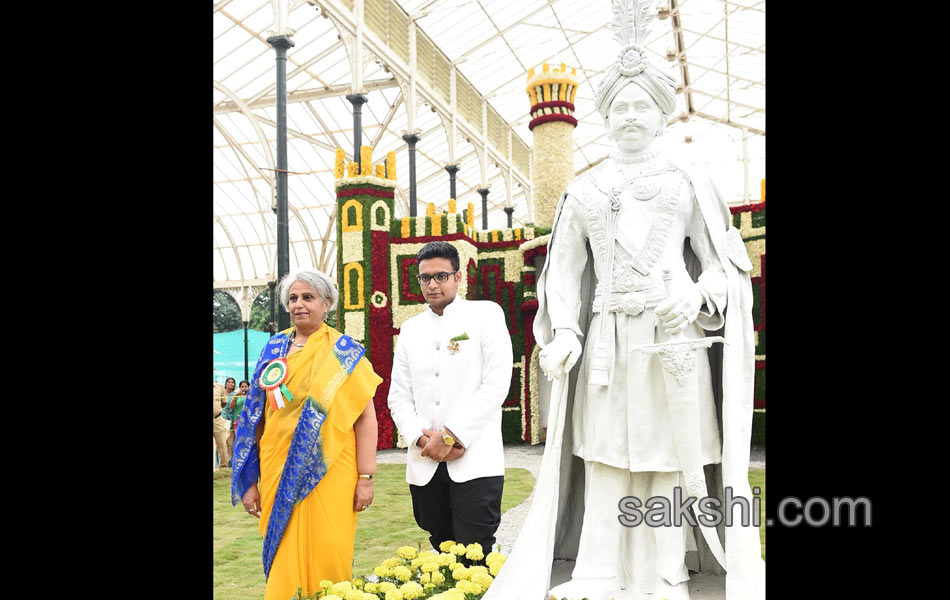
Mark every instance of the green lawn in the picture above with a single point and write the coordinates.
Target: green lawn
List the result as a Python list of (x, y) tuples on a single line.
[(238, 574), (757, 478), (389, 524)]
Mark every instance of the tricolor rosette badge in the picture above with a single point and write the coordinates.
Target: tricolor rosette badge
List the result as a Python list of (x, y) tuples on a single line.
[(272, 380)]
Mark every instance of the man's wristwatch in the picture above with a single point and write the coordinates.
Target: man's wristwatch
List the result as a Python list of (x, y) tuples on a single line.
[(448, 439)]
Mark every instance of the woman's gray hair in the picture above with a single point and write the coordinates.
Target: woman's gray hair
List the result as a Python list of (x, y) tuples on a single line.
[(321, 284)]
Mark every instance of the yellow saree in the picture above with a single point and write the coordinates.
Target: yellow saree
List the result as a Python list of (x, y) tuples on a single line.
[(317, 543)]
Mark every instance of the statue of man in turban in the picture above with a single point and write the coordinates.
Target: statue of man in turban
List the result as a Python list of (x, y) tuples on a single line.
[(641, 249)]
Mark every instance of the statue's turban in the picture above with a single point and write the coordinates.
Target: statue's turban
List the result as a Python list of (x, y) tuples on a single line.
[(633, 67)]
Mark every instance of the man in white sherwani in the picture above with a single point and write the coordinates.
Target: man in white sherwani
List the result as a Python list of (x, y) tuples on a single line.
[(451, 374), (641, 250)]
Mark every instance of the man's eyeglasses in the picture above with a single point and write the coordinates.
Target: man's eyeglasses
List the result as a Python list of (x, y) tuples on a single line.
[(440, 277)]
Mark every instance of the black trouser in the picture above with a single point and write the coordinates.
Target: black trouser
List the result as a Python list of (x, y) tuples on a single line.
[(466, 512)]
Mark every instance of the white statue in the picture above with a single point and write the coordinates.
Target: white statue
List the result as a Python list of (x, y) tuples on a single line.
[(639, 405)]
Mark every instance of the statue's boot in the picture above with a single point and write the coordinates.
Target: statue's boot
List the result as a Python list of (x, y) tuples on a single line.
[(665, 591), (592, 588)]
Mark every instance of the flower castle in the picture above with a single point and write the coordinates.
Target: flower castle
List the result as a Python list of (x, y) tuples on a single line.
[(379, 291), (376, 258)]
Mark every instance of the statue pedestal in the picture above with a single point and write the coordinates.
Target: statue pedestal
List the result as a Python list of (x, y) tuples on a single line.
[(701, 587)]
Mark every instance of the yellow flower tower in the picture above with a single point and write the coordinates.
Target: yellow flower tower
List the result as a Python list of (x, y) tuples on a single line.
[(551, 93)]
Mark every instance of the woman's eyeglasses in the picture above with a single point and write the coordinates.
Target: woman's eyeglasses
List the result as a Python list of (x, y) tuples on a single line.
[(440, 277)]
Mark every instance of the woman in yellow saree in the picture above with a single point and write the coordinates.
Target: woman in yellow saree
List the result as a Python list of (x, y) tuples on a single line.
[(305, 449)]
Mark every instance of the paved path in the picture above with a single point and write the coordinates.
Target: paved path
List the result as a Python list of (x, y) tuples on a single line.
[(528, 457)]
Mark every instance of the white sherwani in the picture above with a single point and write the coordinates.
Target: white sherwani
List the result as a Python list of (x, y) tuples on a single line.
[(432, 387), (631, 429)]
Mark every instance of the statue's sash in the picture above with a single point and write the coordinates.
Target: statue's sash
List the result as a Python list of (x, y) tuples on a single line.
[(597, 206)]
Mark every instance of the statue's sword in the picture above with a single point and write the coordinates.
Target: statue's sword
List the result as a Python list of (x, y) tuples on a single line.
[(679, 356)]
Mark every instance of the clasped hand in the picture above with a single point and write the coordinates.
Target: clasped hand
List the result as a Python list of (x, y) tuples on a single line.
[(436, 448), (557, 358), (675, 314)]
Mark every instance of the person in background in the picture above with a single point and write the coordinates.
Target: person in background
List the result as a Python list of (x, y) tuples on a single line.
[(220, 428), (232, 411)]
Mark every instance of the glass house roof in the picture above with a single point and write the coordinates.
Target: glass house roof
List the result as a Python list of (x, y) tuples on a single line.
[(715, 47)]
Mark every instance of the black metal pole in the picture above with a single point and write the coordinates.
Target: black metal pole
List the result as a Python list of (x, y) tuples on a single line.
[(509, 210), (357, 100), (484, 193), (452, 169), (411, 139), (281, 44), (273, 306), (245, 351)]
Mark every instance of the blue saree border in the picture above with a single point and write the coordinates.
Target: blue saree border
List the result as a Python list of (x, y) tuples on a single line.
[(246, 468)]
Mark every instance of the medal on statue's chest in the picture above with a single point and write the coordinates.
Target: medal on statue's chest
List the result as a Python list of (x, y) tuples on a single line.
[(645, 188)]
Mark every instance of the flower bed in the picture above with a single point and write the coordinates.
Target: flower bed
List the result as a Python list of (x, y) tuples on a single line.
[(416, 575)]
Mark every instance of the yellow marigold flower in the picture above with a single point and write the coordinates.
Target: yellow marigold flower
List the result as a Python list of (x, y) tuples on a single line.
[(407, 552), (416, 563), (478, 569), (392, 562), (402, 573), (357, 583), (424, 578), (446, 546), (411, 590), (454, 594), (474, 552), (325, 583), (394, 595), (386, 586), (382, 571), (438, 577), (460, 573), (495, 567), (370, 596), (468, 587), (429, 566), (370, 587), (427, 587), (446, 560), (493, 556), (458, 549), (354, 595), (332, 597), (482, 579), (340, 589)]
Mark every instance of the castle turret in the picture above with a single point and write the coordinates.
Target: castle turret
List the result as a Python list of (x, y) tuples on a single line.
[(551, 93), (364, 198)]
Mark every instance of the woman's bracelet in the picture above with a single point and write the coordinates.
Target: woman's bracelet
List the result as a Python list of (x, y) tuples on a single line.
[(366, 476)]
